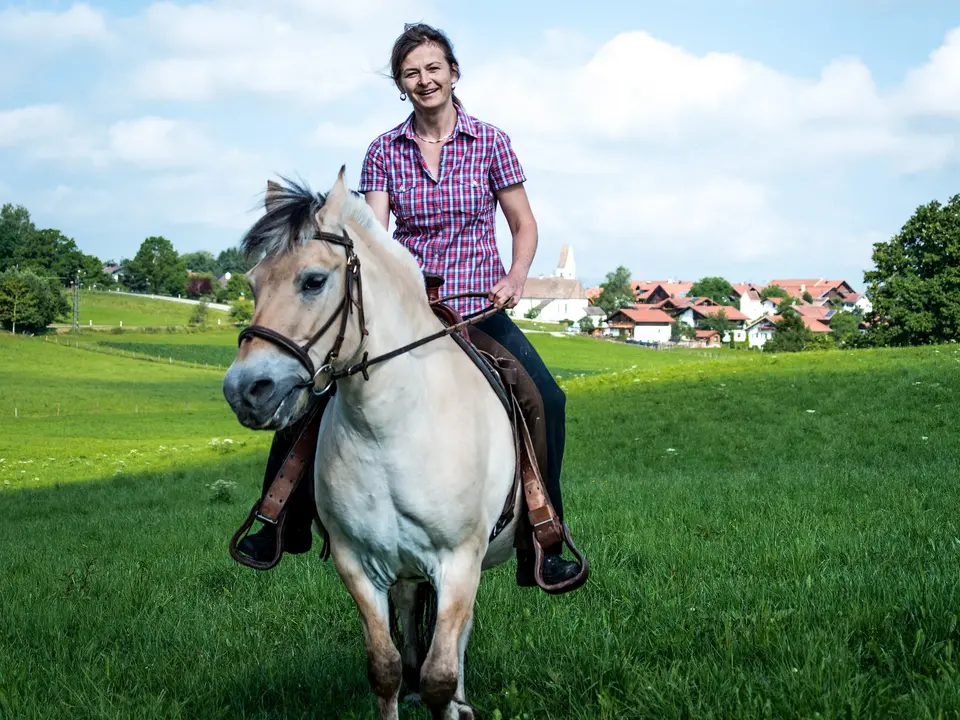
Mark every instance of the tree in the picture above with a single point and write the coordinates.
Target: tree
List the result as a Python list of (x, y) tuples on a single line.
[(616, 292), (585, 324), (199, 285), (717, 321), (238, 286), (715, 288), (200, 313), (15, 228), (17, 300), (201, 261), (680, 330), (29, 302), (807, 297), (790, 335), (915, 284), (156, 268), (786, 302), (232, 261), (241, 312), (845, 327), (771, 291)]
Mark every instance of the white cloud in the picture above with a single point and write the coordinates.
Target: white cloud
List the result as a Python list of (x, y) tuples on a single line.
[(156, 142), (935, 87), (28, 124), (311, 51), (43, 30), (680, 154)]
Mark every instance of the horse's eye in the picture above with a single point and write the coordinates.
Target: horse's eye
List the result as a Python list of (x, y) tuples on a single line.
[(314, 283)]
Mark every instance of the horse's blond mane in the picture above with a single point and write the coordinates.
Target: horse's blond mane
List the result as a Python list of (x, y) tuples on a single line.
[(289, 221)]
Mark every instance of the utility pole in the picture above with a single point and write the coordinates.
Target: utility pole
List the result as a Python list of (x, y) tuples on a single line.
[(76, 301)]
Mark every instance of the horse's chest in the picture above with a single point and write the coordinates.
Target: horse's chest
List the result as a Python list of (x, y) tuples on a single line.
[(365, 499)]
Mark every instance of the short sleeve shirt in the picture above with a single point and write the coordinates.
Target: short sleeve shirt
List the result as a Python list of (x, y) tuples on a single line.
[(448, 222)]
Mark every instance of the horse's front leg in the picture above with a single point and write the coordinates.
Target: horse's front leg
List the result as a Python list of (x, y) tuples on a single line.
[(383, 659), (441, 678)]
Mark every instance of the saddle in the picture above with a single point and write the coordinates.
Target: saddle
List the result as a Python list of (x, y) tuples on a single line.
[(538, 528)]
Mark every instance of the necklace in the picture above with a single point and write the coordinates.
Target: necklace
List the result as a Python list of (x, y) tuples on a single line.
[(433, 142)]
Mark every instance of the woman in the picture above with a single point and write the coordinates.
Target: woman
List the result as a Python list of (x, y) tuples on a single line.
[(442, 173)]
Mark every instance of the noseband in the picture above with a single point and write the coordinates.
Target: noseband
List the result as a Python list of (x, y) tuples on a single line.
[(352, 297)]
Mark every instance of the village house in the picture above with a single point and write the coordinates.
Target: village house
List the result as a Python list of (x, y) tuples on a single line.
[(693, 314), (708, 338), (819, 288), (747, 298), (598, 316), (641, 324), (555, 298), (114, 271), (759, 331), (651, 292)]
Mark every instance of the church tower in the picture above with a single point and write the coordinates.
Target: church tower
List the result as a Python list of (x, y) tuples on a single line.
[(567, 267)]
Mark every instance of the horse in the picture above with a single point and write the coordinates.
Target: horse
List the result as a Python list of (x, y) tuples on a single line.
[(414, 457)]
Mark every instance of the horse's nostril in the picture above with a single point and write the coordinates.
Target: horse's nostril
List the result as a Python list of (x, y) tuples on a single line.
[(260, 391)]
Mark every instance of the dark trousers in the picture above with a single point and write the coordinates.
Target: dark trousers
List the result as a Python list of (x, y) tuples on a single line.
[(502, 329)]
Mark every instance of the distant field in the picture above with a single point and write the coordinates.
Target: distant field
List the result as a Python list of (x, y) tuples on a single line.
[(771, 536), (104, 308), (68, 414), (566, 356)]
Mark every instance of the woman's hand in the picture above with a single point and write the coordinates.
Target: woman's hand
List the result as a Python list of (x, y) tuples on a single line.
[(507, 292)]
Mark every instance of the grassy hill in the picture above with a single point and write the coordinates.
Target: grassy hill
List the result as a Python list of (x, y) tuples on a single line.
[(111, 309), (771, 536)]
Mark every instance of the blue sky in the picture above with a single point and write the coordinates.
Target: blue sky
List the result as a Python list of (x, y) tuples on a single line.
[(751, 139)]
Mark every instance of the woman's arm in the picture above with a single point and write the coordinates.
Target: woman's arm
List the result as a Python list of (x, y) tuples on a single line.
[(523, 226), (379, 202)]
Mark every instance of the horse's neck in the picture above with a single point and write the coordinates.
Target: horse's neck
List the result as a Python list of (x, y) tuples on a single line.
[(395, 386)]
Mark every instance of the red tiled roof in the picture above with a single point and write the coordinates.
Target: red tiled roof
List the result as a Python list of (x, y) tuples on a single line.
[(815, 286), (817, 326), (643, 288), (731, 312), (646, 315), (753, 291)]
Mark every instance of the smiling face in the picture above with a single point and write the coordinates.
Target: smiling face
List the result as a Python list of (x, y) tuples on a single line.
[(427, 78)]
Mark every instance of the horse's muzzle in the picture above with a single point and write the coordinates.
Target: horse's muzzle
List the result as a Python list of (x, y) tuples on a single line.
[(263, 392)]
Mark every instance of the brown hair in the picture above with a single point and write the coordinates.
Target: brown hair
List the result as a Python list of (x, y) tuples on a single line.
[(414, 35)]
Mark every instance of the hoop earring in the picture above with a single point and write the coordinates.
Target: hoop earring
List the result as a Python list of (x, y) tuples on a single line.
[(403, 97)]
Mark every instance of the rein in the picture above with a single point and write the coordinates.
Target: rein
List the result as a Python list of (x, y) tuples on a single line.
[(352, 297)]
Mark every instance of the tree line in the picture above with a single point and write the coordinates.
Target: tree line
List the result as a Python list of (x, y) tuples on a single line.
[(38, 264), (914, 288)]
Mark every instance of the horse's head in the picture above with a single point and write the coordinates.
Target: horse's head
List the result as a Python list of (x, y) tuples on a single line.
[(308, 303)]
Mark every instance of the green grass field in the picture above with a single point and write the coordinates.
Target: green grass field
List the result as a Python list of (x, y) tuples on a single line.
[(567, 356), (104, 308), (771, 536)]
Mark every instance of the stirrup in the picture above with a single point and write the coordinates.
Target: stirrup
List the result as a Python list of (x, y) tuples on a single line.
[(242, 533), (567, 585)]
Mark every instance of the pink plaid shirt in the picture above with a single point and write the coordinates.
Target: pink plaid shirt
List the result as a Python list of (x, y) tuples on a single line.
[(447, 222)]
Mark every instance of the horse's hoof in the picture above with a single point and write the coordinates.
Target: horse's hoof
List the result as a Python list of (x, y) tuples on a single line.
[(466, 712)]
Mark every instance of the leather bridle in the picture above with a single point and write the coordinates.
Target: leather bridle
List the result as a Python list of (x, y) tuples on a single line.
[(352, 297)]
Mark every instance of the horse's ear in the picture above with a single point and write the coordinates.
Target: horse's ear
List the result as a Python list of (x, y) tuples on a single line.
[(273, 194), (342, 179), (333, 202)]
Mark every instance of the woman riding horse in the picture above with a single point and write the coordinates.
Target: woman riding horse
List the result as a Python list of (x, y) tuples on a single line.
[(442, 173)]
